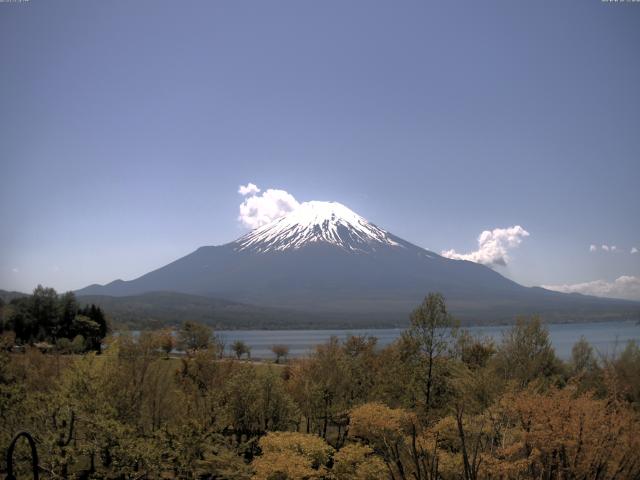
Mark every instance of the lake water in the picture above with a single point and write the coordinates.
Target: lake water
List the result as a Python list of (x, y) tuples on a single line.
[(605, 337)]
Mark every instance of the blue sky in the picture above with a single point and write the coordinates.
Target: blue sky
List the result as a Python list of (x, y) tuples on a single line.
[(127, 127)]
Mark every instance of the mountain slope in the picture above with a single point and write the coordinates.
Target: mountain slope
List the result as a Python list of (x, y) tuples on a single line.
[(7, 296), (324, 259)]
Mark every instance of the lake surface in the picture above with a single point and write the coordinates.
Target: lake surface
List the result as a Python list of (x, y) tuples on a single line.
[(605, 337)]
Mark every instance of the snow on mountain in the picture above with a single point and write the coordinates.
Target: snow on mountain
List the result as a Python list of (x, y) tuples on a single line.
[(314, 222), (363, 274)]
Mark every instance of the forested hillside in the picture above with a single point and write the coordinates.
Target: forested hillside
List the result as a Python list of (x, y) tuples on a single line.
[(154, 310)]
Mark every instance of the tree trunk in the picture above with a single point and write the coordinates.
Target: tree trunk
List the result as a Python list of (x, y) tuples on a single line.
[(465, 456)]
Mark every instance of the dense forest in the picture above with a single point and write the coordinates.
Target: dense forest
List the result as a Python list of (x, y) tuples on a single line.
[(436, 404), (53, 321)]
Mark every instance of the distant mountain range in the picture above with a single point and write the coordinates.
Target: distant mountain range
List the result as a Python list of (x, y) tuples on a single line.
[(324, 265), (7, 296)]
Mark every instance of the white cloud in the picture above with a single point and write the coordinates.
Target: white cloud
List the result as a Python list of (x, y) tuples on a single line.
[(609, 248), (258, 210), (248, 189), (493, 246), (15, 270), (625, 287)]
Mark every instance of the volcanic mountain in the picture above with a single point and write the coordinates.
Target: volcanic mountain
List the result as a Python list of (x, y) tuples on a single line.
[(324, 260)]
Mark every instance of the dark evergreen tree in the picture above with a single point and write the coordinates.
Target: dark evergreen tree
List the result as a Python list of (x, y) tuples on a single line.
[(21, 321), (47, 316), (68, 311), (44, 308)]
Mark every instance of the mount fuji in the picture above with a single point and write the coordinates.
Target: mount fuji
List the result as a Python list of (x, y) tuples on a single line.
[(323, 260)]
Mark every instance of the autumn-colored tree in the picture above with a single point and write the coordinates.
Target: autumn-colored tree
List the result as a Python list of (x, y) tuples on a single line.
[(291, 455), (280, 351), (167, 341), (358, 462), (559, 435), (396, 436)]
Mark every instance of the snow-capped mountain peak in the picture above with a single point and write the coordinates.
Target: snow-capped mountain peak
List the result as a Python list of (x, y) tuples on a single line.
[(313, 222)]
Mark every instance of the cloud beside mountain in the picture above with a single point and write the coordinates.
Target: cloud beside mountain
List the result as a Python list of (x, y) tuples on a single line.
[(625, 287), (259, 209), (493, 246)]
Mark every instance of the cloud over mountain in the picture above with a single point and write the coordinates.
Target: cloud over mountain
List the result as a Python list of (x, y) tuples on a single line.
[(493, 246), (626, 287), (257, 210)]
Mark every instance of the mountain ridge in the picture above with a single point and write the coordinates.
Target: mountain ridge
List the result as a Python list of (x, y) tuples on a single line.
[(311, 222), (325, 259)]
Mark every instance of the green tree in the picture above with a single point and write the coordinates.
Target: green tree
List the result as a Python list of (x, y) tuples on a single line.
[(45, 316), (526, 354), (95, 336), (277, 409), (624, 374), (474, 352), (322, 387), (78, 344), (582, 357), (430, 333), (44, 309), (21, 321), (68, 309), (194, 336), (63, 345), (584, 368), (2, 315), (240, 348)]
